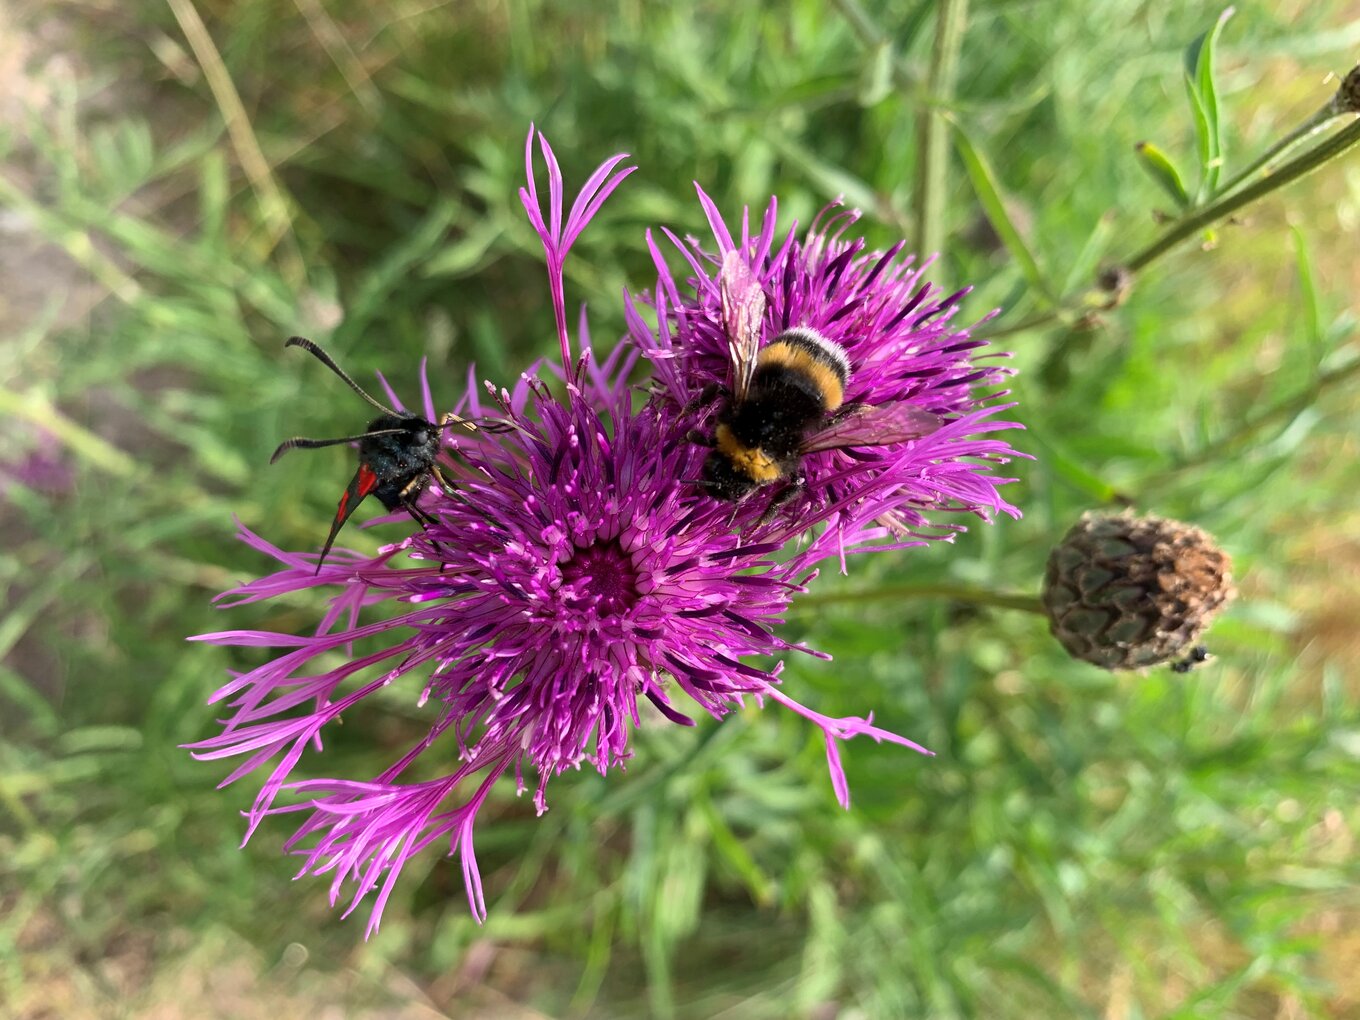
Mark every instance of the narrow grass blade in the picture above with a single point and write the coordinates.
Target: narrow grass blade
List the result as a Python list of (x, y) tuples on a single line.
[(1199, 70), (1315, 334), (419, 246), (988, 191)]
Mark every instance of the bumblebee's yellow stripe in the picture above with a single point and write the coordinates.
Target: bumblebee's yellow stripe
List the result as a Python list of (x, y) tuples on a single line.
[(751, 461), (829, 381)]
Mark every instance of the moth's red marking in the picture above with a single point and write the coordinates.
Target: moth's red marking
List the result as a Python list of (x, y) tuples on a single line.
[(368, 480), (364, 483)]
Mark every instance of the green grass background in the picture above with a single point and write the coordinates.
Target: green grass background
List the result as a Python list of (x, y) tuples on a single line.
[(1084, 845)]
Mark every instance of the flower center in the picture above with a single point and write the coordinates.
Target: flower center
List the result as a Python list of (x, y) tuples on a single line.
[(603, 576)]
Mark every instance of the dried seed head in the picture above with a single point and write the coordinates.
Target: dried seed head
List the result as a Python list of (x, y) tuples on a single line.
[(1123, 591), (1347, 98)]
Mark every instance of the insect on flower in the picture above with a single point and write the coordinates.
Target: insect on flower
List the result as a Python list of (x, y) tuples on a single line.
[(849, 393), (397, 454), (787, 399), (580, 575)]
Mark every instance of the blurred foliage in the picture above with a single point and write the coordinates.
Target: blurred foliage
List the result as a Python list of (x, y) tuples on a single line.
[(1083, 845)]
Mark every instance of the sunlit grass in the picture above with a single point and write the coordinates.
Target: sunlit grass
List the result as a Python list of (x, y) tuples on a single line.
[(1083, 845)]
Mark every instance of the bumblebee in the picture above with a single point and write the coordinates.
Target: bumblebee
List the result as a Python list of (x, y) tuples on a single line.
[(397, 454), (787, 400)]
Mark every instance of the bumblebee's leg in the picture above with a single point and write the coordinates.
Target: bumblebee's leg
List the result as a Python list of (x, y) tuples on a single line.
[(700, 439), (1197, 655), (845, 411), (797, 483)]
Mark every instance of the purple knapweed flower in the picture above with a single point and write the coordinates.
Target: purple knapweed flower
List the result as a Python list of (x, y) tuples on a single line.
[(571, 578), (903, 349), (36, 460)]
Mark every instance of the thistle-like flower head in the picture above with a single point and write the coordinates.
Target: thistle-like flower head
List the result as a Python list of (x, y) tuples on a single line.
[(569, 584), (904, 351)]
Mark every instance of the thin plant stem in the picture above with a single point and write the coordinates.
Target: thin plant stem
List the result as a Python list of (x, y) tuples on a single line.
[(1225, 207), (1191, 224), (932, 129), (1282, 410), (954, 592), (1030, 322), (274, 206), (1304, 131)]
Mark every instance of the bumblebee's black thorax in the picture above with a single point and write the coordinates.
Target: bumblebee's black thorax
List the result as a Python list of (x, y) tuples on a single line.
[(401, 458)]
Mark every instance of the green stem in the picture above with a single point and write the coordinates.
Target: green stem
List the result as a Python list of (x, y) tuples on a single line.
[(1283, 410), (1031, 322), (1306, 130), (872, 37), (1224, 207), (953, 592), (932, 129)]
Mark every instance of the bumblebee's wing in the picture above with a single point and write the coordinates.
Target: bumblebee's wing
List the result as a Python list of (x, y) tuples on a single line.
[(873, 425), (363, 482), (743, 309)]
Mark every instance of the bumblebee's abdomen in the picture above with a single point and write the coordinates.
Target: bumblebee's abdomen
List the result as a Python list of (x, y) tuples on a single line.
[(803, 359)]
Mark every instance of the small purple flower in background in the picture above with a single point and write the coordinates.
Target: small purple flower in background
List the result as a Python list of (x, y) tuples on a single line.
[(571, 575), (903, 352), (40, 463)]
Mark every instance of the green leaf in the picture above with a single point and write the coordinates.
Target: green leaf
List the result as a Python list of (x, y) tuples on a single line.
[(993, 204), (1313, 331), (827, 176), (469, 253), (416, 250), (87, 739), (1199, 84), (23, 704), (875, 79), (1203, 137), (731, 849), (123, 155), (1083, 266), (1069, 469), (1160, 168)]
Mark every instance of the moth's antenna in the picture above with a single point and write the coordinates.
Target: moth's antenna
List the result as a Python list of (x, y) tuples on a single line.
[(299, 443), (329, 362)]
